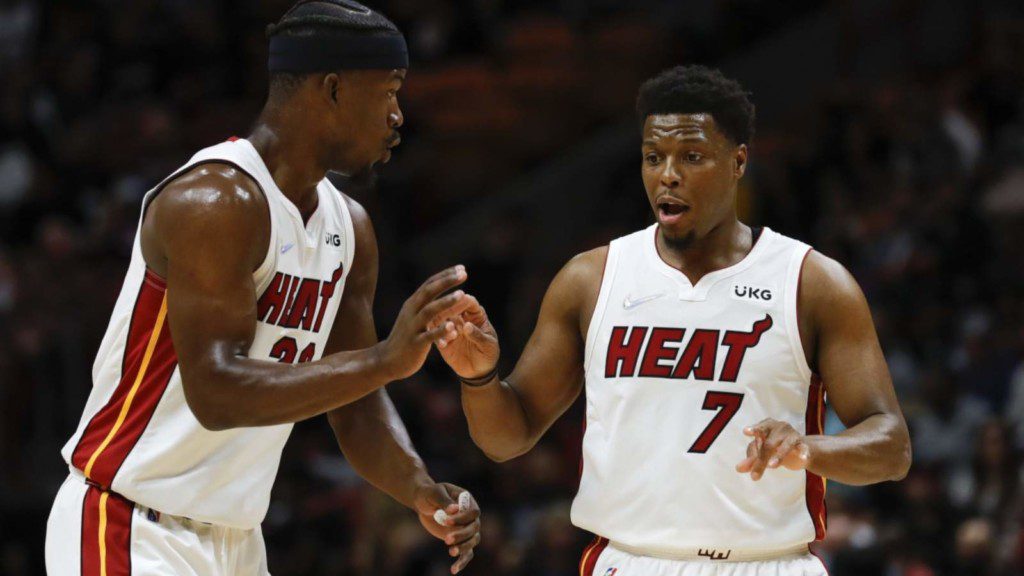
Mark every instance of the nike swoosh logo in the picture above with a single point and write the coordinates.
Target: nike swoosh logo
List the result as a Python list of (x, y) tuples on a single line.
[(287, 247), (630, 303)]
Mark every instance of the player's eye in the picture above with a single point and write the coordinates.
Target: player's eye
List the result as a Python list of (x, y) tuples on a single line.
[(651, 159), (694, 157)]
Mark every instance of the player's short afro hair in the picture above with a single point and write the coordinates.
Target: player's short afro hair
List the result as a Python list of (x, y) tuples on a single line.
[(694, 89)]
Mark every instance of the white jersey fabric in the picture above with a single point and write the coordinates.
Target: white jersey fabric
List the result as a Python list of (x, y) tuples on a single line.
[(674, 372), (138, 438)]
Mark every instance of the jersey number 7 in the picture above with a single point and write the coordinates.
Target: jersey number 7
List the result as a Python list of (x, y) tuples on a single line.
[(727, 404)]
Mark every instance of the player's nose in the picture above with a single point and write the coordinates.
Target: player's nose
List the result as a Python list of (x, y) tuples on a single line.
[(396, 118), (669, 176)]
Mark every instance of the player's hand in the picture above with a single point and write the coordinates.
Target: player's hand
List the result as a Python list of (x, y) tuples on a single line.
[(774, 444), (471, 348), (418, 323), (460, 530)]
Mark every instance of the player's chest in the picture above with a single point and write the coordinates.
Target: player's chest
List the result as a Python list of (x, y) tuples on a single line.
[(651, 329), (306, 285)]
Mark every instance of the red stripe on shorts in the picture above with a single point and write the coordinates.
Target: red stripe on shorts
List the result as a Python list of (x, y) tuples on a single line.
[(591, 554), (106, 534)]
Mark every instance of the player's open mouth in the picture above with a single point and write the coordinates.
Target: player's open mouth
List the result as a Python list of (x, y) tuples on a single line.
[(670, 210)]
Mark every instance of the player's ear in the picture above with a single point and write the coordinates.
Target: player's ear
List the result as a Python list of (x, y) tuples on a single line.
[(331, 87), (740, 161)]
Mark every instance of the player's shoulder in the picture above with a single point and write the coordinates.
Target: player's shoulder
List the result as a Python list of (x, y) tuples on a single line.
[(356, 211), (579, 280), (362, 226), (590, 265), (825, 284), (366, 252), (826, 273), (212, 190), (207, 208), (586, 266)]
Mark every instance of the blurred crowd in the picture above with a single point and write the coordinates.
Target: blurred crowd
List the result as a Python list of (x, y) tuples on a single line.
[(914, 181), (917, 186)]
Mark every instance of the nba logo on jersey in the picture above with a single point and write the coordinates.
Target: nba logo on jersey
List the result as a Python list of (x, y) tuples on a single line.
[(610, 571)]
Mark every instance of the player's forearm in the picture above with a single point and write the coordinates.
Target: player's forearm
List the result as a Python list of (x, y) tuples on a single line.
[(242, 392), (875, 450), (374, 440), (498, 423)]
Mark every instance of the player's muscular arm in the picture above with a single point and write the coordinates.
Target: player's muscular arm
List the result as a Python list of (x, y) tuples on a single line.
[(507, 417), (876, 445), (369, 431), (206, 233), (839, 338)]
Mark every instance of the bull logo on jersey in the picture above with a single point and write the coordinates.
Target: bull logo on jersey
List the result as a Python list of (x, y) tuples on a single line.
[(699, 358), (294, 302)]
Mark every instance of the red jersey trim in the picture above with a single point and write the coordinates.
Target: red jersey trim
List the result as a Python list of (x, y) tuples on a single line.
[(815, 485), (148, 363)]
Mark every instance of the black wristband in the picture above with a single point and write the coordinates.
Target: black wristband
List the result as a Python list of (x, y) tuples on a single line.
[(480, 380)]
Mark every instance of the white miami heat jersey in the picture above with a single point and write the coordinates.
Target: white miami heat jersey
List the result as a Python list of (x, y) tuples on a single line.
[(674, 372), (137, 435)]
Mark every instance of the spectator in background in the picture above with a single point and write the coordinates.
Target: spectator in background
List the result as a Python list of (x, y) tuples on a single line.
[(945, 426), (1015, 406), (989, 485)]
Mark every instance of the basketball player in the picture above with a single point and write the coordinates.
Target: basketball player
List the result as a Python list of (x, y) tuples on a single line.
[(247, 306), (705, 347)]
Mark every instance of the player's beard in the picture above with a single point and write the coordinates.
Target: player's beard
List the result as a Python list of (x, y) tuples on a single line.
[(365, 179), (681, 243)]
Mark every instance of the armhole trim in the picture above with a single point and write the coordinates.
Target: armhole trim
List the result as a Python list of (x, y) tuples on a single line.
[(350, 233), (597, 315), (794, 274)]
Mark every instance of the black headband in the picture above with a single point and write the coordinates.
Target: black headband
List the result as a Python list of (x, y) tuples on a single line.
[(305, 54)]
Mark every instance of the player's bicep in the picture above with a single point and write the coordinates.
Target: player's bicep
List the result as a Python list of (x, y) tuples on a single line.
[(549, 374), (849, 356), (210, 239)]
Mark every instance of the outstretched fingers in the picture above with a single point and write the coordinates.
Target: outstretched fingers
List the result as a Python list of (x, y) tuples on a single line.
[(438, 284), (438, 331), (445, 307), (753, 453), (465, 553), (772, 442)]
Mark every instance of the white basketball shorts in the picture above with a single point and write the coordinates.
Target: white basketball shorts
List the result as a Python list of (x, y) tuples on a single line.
[(92, 532), (602, 558)]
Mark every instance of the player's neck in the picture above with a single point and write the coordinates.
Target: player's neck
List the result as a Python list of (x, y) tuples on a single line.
[(723, 246), (291, 160)]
